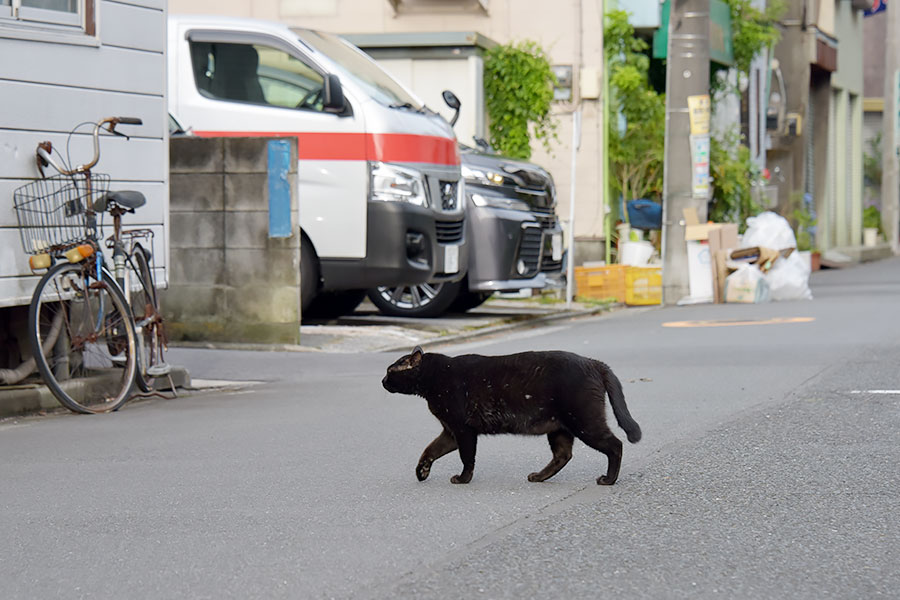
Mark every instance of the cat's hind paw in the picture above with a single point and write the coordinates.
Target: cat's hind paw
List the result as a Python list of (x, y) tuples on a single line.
[(461, 478), (604, 480)]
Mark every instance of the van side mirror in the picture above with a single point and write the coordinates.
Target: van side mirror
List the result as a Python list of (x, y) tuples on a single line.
[(333, 100), (453, 102)]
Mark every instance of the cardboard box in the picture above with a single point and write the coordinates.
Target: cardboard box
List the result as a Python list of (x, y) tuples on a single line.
[(703, 240)]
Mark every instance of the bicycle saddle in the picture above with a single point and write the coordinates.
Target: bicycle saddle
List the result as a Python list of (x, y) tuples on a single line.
[(127, 198)]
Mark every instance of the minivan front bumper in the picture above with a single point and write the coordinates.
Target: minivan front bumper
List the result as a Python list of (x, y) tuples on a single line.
[(501, 239)]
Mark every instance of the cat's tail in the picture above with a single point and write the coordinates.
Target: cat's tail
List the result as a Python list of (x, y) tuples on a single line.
[(617, 400)]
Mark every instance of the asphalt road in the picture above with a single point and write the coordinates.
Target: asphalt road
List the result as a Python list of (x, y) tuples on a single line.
[(768, 468)]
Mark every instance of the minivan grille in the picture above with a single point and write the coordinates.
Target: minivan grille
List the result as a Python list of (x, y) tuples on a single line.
[(530, 249), (449, 232)]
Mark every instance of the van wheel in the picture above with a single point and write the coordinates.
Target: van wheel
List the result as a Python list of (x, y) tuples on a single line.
[(309, 275), (422, 300), (331, 305)]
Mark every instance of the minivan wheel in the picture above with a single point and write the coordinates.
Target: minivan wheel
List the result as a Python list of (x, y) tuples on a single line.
[(421, 300)]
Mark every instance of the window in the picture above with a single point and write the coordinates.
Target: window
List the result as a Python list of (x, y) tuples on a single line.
[(257, 74), (72, 13)]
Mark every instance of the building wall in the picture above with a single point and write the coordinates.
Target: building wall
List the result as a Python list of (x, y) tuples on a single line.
[(874, 46), (848, 83), (568, 31), (51, 82)]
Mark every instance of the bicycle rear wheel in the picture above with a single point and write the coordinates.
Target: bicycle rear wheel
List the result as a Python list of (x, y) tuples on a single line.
[(85, 329), (148, 321)]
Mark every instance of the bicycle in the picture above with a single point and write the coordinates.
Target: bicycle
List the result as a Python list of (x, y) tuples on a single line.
[(94, 334)]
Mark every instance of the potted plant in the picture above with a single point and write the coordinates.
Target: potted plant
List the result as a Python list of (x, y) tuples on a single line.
[(805, 225), (871, 225)]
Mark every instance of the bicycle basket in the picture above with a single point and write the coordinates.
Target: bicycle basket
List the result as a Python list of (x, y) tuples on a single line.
[(51, 211)]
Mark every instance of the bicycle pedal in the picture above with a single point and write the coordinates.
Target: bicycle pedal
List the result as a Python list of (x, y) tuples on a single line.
[(159, 370), (119, 359)]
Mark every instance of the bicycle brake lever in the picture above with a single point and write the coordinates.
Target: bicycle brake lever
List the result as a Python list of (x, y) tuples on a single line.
[(112, 130)]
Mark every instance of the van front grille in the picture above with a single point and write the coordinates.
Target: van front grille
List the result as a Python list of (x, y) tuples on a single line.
[(449, 232)]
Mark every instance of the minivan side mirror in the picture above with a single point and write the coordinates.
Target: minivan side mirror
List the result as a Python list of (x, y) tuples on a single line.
[(453, 102), (333, 99)]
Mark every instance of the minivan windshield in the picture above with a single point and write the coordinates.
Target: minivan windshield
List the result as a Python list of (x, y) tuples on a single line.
[(358, 67)]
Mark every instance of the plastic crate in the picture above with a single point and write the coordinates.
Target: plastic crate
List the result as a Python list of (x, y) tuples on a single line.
[(601, 282), (643, 286)]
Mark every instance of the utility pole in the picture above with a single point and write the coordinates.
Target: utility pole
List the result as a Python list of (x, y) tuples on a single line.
[(890, 170), (687, 74)]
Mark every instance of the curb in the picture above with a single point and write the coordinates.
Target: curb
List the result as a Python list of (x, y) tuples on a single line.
[(27, 399), (523, 324)]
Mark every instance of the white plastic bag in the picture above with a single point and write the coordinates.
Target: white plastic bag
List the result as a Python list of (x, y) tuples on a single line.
[(768, 230), (789, 278), (746, 284)]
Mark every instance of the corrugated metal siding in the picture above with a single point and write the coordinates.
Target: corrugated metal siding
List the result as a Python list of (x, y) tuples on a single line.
[(48, 87)]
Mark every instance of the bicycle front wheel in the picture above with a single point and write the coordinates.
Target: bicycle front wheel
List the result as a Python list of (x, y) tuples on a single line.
[(82, 339)]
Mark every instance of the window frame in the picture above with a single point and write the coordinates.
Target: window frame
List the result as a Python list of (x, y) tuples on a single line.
[(218, 36), (27, 18)]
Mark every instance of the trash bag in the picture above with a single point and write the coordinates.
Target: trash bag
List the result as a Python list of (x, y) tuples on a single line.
[(747, 284), (768, 230), (788, 278)]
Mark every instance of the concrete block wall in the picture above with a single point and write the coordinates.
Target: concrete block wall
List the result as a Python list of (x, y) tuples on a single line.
[(228, 279)]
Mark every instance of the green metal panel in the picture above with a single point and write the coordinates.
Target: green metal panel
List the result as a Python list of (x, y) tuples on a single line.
[(721, 49)]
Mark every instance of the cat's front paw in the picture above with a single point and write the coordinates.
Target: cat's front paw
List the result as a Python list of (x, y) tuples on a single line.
[(535, 477), (604, 480), (461, 478), (423, 470)]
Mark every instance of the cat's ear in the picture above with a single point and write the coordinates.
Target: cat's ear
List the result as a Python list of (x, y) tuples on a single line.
[(416, 356)]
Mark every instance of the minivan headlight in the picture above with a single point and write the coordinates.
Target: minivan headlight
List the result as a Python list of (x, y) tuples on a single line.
[(482, 200), (482, 176), (391, 183)]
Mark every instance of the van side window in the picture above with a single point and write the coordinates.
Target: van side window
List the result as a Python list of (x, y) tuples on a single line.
[(257, 74)]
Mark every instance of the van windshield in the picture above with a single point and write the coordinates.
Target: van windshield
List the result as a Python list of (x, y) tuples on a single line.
[(360, 68)]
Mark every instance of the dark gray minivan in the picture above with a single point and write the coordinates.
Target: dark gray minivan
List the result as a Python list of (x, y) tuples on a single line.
[(514, 236)]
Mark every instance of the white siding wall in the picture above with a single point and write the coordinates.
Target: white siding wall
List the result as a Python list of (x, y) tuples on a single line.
[(48, 86)]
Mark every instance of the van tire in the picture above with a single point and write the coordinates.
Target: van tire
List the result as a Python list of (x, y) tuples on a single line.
[(309, 275), (331, 305), (423, 300)]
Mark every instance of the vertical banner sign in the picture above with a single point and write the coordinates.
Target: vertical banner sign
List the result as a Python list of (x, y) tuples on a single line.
[(700, 164), (699, 108), (699, 111), (279, 189)]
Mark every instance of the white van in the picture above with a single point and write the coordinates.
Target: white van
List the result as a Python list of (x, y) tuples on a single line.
[(379, 176)]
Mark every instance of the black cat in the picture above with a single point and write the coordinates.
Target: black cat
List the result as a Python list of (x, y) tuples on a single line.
[(559, 394)]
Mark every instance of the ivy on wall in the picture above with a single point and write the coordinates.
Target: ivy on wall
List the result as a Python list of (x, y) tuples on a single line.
[(518, 86)]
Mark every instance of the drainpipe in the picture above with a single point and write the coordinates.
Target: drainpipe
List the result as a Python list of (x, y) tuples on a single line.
[(13, 376)]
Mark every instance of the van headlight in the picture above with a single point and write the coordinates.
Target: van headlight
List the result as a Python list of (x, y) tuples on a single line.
[(391, 183)]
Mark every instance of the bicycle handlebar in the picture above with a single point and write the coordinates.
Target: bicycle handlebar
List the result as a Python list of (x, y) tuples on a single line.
[(45, 149)]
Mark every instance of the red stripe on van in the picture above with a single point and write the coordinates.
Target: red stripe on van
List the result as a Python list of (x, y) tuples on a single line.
[(385, 147)]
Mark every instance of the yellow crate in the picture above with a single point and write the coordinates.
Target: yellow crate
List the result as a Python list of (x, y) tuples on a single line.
[(602, 282), (643, 286)]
